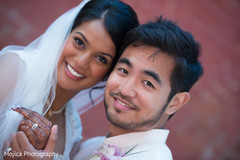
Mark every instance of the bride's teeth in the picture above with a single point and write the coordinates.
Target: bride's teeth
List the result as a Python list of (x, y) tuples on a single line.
[(73, 72), (123, 104)]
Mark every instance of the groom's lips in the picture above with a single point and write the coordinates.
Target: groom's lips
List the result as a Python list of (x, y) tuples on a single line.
[(123, 105)]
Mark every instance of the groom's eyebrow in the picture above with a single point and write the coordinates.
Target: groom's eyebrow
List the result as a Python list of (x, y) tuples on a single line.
[(154, 75), (125, 61)]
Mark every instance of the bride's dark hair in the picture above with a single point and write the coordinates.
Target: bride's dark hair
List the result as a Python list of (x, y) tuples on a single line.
[(118, 18)]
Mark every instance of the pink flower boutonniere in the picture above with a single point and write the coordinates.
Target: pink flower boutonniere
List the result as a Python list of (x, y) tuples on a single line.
[(112, 152)]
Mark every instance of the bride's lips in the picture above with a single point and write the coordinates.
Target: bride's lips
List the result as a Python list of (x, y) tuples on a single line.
[(72, 73)]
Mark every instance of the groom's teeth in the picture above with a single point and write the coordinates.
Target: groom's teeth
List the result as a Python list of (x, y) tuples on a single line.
[(123, 104), (73, 72)]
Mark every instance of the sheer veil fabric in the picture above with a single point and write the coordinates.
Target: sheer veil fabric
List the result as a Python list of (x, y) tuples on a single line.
[(28, 75)]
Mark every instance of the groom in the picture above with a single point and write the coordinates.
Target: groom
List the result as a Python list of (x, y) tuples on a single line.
[(150, 83)]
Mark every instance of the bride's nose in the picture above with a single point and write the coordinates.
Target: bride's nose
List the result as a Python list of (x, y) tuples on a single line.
[(83, 60)]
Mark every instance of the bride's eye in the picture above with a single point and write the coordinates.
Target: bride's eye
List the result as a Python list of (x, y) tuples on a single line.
[(102, 59), (79, 42)]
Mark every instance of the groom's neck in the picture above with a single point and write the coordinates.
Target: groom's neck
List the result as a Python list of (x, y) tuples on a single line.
[(116, 131)]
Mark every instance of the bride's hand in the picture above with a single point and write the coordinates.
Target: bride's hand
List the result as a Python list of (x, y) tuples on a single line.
[(20, 148), (36, 127)]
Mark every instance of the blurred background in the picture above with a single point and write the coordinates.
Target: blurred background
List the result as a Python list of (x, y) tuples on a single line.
[(207, 128)]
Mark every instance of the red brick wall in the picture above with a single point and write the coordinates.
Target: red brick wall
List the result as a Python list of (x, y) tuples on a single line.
[(206, 128)]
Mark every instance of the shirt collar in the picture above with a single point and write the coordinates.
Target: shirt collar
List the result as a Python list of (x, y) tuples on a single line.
[(154, 135)]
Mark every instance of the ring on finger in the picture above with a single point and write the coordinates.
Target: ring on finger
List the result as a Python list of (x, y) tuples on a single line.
[(34, 126), (8, 150)]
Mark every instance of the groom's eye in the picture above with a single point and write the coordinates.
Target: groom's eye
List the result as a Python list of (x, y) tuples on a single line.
[(148, 83), (123, 71)]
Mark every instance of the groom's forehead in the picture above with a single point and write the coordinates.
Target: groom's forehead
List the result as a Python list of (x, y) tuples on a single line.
[(142, 54)]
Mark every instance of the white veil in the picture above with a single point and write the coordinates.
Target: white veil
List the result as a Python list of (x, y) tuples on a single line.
[(28, 74)]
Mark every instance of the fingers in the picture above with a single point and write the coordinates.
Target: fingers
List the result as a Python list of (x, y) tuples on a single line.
[(14, 143), (26, 122), (52, 139), (29, 134), (7, 149), (29, 123), (23, 111), (5, 145), (32, 115), (23, 142), (20, 144), (37, 137)]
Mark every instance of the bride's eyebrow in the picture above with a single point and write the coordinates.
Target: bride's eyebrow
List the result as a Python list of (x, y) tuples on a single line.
[(106, 54), (82, 36)]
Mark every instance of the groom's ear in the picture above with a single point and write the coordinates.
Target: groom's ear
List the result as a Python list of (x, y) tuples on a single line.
[(179, 100)]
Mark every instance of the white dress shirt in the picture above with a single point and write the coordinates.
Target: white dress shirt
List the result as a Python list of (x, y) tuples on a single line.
[(149, 145)]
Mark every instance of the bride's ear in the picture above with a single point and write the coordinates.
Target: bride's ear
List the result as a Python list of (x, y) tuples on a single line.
[(179, 100)]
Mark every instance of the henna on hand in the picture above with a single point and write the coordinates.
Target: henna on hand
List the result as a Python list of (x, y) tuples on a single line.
[(39, 136)]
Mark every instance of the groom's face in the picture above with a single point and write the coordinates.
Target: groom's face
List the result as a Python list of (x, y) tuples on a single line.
[(137, 90)]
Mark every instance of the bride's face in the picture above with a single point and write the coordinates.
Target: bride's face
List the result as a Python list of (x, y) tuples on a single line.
[(86, 58)]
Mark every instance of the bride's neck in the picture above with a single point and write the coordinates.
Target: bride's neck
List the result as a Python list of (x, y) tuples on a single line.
[(61, 98)]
